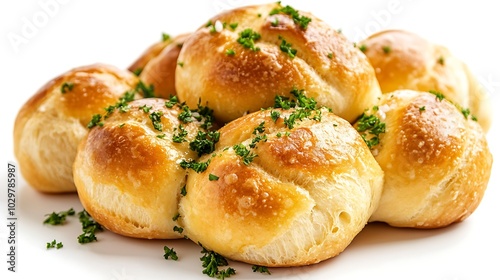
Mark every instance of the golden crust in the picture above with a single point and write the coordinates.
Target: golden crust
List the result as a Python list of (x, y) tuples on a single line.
[(302, 199), (326, 65), (160, 70), (404, 60), (128, 178), (436, 161), (51, 123)]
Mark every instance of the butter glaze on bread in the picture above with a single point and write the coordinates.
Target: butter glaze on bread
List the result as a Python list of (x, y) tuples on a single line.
[(404, 60), (159, 70), (50, 125), (436, 161), (300, 201), (326, 65), (127, 177)]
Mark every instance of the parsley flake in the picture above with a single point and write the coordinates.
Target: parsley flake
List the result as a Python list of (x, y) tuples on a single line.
[(386, 49), (95, 121), (363, 48), (67, 86), (165, 37), (230, 52), (247, 39), (302, 21), (58, 218), (212, 177), (170, 253), (156, 120), (372, 125), (261, 269), (244, 153), (439, 96), (211, 261), (54, 244), (287, 48)]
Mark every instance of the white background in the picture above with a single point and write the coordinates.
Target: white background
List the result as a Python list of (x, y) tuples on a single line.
[(75, 33)]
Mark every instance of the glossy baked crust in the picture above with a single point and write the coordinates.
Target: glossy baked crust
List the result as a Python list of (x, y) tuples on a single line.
[(307, 193), (160, 70), (404, 60), (326, 65), (435, 159), (127, 172), (50, 125)]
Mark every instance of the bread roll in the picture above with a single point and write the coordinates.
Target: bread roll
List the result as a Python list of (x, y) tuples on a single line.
[(404, 60), (151, 52), (127, 171), (435, 159), (160, 70), (243, 58), (298, 197), (52, 122)]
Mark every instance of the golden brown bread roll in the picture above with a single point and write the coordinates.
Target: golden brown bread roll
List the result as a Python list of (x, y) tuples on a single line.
[(52, 122), (160, 70), (298, 197), (242, 58), (404, 60), (435, 159), (151, 52), (127, 171)]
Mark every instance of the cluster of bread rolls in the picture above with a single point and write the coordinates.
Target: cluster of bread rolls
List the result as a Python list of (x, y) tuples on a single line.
[(271, 138)]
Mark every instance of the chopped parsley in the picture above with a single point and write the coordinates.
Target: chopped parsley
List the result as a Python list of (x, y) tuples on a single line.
[(275, 22), (421, 109), (330, 55), (58, 218), (161, 136), (67, 86), (198, 167), (178, 229), (261, 269), (260, 128), (302, 21), (183, 190), (180, 63), (363, 48), (230, 52), (137, 71), (171, 101), (372, 125), (165, 37), (145, 108), (95, 121), (181, 136), (287, 48), (440, 60), (257, 140), (170, 253), (89, 228), (247, 39), (176, 217), (212, 177), (186, 116), (156, 120), (54, 244), (439, 96), (386, 49), (275, 115), (204, 142), (466, 113), (244, 153), (144, 90), (233, 26), (211, 261)]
